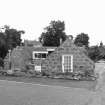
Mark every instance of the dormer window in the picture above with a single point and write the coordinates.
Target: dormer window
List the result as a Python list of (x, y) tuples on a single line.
[(50, 50), (39, 54)]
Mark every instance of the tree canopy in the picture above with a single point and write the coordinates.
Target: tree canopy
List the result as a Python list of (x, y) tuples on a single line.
[(9, 39), (97, 52), (13, 37), (93, 52), (53, 33), (3, 46), (82, 39)]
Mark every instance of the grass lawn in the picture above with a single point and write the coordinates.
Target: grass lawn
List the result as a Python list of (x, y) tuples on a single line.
[(14, 93), (48, 81)]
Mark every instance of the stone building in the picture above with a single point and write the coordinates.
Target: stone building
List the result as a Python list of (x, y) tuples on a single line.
[(30, 57), (67, 58)]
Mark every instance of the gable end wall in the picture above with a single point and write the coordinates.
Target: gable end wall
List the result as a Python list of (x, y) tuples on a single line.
[(53, 63)]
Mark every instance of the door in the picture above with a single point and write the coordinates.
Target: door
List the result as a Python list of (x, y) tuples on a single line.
[(67, 63)]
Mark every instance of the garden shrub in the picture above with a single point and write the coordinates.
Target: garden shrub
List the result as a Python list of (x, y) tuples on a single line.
[(1, 63), (45, 73)]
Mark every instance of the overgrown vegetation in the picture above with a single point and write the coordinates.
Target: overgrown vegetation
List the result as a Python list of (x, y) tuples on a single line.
[(96, 52), (9, 39)]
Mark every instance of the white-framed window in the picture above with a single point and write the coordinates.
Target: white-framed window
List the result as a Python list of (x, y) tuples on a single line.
[(39, 54), (67, 63)]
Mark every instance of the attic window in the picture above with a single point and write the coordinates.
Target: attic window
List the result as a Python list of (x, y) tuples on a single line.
[(39, 55), (50, 50), (43, 55)]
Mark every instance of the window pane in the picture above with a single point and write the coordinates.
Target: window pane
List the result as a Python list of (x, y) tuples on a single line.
[(37, 55), (40, 55), (67, 63), (49, 52), (44, 55)]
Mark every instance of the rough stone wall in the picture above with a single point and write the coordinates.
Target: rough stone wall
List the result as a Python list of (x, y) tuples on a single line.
[(81, 62), (53, 63), (20, 57)]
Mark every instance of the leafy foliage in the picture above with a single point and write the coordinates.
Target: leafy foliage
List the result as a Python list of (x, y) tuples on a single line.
[(13, 37), (96, 52), (3, 46), (54, 32), (101, 51), (93, 53), (82, 39), (9, 39)]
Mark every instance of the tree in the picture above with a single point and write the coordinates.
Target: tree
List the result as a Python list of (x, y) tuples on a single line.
[(82, 39), (9, 39), (53, 33), (12, 37), (3, 46), (97, 52), (101, 44), (94, 53), (101, 51)]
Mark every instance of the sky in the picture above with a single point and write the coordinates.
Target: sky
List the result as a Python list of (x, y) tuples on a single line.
[(33, 16)]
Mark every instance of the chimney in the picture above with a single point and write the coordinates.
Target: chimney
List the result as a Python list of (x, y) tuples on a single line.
[(70, 37)]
